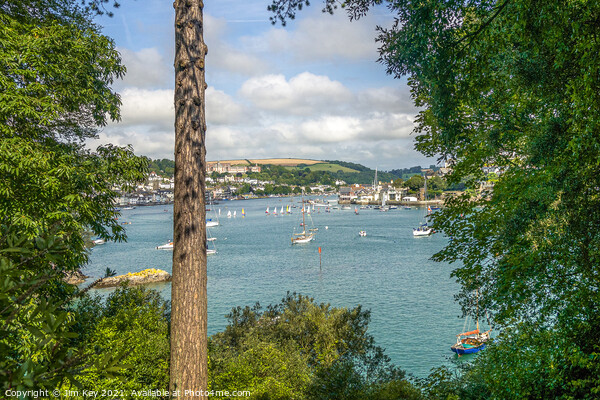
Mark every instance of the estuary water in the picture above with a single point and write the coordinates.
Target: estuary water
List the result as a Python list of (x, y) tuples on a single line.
[(413, 313)]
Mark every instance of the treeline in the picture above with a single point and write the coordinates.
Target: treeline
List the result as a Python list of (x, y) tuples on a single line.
[(163, 167), (286, 176), (306, 176), (405, 173)]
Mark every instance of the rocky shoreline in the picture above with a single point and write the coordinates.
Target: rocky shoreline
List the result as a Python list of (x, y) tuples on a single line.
[(151, 275)]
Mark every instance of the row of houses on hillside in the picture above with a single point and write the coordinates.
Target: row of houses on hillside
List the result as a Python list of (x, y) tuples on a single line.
[(227, 168)]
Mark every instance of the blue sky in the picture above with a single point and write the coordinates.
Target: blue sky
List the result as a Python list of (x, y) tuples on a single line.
[(312, 89)]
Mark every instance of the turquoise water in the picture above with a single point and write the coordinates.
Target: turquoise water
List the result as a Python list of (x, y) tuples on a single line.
[(413, 315)]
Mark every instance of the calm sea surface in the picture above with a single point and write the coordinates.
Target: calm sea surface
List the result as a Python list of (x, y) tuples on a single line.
[(413, 315)]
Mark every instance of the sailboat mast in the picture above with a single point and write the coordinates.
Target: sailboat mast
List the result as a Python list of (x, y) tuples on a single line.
[(375, 181), (477, 308), (303, 222)]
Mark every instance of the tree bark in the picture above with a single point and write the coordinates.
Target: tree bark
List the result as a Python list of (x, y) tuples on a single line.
[(188, 295)]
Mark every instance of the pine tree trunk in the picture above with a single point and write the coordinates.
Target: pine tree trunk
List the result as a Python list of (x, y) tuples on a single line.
[(189, 304)]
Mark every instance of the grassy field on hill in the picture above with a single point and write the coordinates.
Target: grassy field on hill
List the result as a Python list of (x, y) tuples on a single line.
[(329, 167)]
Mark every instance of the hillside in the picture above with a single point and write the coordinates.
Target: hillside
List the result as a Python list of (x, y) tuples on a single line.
[(284, 162), (293, 170), (325, 166)]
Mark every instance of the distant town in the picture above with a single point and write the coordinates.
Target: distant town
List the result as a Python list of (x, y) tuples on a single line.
[(247, 179)]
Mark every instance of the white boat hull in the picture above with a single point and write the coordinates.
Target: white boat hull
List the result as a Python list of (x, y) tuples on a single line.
[(423, 232), (210, 224), (302, 239)]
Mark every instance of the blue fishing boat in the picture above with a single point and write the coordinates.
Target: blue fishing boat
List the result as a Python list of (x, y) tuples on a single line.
[(472, 341)]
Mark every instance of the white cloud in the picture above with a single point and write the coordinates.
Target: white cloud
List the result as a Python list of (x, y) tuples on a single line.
[(222, 109), (331, 129), (319, 37), (303, 94), (147, 107), (387, 99), (149, 142), (329, 37), (223, 57), (145, 68)]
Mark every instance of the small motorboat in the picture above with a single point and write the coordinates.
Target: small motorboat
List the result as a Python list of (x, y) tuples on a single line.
[(166, 246)]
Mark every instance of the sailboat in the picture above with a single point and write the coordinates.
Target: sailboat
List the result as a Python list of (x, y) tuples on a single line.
[(234, 213), (423, 229), (304, 236), (210, 239), (229, 214), (281, 212), (267, 211), (243, 213), (472, 341), (211, 223)]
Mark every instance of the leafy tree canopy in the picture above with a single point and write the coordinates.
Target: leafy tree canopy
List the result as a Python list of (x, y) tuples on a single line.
[(55, 75), (56, 72), (299, 349)]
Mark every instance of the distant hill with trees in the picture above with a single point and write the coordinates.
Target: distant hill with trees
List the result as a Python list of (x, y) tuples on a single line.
[(297, 171)]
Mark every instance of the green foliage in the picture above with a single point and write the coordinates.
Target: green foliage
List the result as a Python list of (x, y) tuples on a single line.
[(406, 173), (38, 329), (164, 167), (330, 167), (58, 184), (398, 183), (436, 185), (244, 188), (56, 70), (516, 85), (325, 174), (299, 349), (292, 177), (536, 363), (133, 325), (415, 183)]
